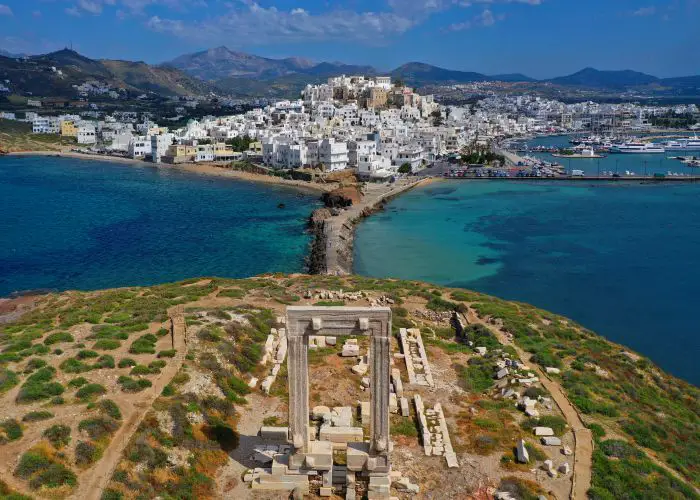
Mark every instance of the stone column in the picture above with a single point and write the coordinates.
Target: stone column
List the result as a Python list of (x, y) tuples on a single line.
[(379, 400), (298, 378)]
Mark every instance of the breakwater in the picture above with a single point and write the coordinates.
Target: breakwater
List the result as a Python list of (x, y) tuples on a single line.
[(333, 231)]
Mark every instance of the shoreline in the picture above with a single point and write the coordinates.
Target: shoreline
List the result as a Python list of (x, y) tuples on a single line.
[(333, 236), (209, 169)]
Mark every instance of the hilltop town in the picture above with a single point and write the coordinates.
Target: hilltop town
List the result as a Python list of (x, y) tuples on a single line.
[(371, 124)]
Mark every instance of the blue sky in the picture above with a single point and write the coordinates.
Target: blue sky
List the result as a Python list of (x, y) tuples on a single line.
[(541, 38)]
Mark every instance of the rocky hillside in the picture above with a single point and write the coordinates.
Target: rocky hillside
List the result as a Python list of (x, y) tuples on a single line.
[(146, 392), (54, 74)]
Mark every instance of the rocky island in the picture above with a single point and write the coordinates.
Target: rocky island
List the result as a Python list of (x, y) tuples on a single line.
[(193, 390)]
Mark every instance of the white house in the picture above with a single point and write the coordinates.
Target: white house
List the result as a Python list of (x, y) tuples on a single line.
[(333, 155), (374, 167), (159, 145), (46, 125), (139, 146), (86, 133)]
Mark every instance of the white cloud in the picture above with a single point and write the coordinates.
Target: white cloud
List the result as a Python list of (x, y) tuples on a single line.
[(36, 13), (256, 24), (72, 11), (485, 19), (644, 11), (93, 7), (5, 10)]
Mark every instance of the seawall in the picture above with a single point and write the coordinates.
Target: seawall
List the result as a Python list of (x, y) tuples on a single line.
[(333, 235)]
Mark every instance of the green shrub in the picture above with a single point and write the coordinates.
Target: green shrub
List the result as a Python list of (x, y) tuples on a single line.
[(97, 427), (78, 382), (39, 385), (477, 376), (145, 344), (168, 353), (129, 384), (126, 362), (58, 337), (557, 423), (72, 365), (86, 453), (58, 435), (110, 494), (90, 391), (107, 344), (597, 431), (104, 361), (404, 427), (40, 471), (36, 416), (234, 293), (86, 354), (142, 370), (8, 379), (34, 364), (110, 408), (10, 430)]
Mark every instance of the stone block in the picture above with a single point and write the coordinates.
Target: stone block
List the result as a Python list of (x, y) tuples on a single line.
[(365, 412), (393, 403), (274, 433), (564, 468), (550, 441), (276, 369), (543, 431), (481, 351), (267, 384), (502, 373), (331, 340), (350, 350), (360, 369), (566, 451), (396, 380), (321, 341), (253, 382), (341, 434), (282, 350), (341, 416), (552, 370), (405, 410), (357, 455), (319, 456), (522, 454), (326, 491), (318, 412)]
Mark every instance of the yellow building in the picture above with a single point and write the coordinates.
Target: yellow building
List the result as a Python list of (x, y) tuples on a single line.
[(69, 129), (179, 153)]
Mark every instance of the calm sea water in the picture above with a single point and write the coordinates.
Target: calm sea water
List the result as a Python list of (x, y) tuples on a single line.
[(621, 259), (76, 224)]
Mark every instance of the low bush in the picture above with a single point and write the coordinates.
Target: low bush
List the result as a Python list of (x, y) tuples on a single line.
[(34, 364), (97, 427), (477, 376), (8, 379), (86, 354), (146, 344), (86, 453), (110, 408), (90, 391), (107, 344), (58, 435), (42, 471), (404, 427), (234, 293), (168, 353), (72, 365), (10, 430), (104, 361), (126, 362), (78, 382), (557, 423), (39, 386), (129, 384), (58, 337), (36, 416)]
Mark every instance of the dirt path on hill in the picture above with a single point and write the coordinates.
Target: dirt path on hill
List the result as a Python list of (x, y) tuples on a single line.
[(583, 437), (99, 477)]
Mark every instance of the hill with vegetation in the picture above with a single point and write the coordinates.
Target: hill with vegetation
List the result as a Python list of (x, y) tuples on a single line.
[(99, 392)]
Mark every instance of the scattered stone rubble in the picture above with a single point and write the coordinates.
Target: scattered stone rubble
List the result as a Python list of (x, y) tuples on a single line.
[(275, 352), (416, 358), (433, 427)]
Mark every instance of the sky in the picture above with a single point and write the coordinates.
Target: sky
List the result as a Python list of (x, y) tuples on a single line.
[(540, 38)]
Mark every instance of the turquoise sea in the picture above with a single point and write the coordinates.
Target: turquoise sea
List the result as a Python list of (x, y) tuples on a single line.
[(622, 259), (76, 224)]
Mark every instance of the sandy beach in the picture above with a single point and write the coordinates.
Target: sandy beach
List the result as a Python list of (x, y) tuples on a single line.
[(194, 168)]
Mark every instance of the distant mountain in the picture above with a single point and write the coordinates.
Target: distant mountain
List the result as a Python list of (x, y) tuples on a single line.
[(221, 62), (5, 53), (35, 75), (593, 78), (419, 74), (512, 77)]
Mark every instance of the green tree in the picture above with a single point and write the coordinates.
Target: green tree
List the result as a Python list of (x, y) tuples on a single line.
[(405, 168)]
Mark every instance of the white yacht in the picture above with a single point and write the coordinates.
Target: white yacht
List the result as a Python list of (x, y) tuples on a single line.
[(638, 148), (687, 144)]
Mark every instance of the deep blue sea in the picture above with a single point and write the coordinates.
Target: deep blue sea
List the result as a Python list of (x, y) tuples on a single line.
[(76, 224), (621, 259)]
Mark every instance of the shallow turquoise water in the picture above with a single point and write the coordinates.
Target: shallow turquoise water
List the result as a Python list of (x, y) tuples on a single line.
[(76, 224), (621, 259)]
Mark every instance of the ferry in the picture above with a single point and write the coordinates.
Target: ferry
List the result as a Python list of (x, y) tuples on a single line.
[(688, 144), (637, 148)]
